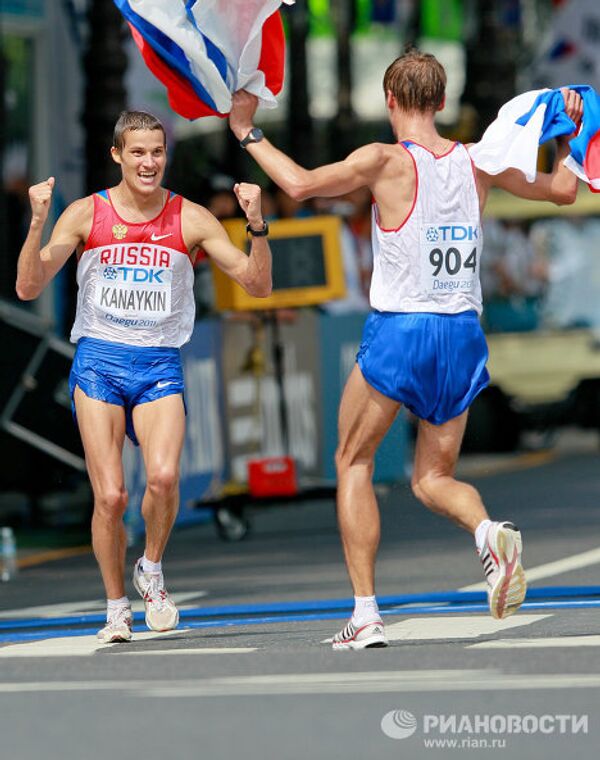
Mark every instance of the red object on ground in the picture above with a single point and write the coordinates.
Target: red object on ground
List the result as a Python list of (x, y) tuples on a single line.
[(272, 476)]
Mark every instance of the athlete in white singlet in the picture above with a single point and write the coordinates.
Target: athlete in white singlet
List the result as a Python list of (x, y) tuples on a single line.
[(422, 345), (135, 245)]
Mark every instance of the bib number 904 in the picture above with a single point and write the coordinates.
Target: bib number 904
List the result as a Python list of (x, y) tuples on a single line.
[(452, 261)]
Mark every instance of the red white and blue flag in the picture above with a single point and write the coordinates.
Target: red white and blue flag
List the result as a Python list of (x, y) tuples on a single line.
[(205, 50)]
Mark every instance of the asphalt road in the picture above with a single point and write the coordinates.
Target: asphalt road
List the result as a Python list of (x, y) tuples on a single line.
[(247, 676)]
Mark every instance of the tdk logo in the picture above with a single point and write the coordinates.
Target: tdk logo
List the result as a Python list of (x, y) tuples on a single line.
[(454, 233), (134, 274)]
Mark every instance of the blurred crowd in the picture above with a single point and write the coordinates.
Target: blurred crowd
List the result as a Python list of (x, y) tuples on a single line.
[(541, 274)]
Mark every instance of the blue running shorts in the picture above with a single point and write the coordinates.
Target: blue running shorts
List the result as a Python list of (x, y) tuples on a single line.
[(434, 364), (125, 375)]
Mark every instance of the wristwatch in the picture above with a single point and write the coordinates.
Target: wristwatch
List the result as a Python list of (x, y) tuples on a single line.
[(263, 232), (254, 135)]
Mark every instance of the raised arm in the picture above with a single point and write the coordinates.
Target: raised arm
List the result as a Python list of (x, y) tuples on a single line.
[(37, 266), (201, 229), (359, 169)]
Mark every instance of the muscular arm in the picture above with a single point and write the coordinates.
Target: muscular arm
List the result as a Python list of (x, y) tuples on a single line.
[(252, 272), (558, 186), (37, 266), (359, 169)]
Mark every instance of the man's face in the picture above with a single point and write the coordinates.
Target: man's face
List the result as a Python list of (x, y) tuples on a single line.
[(142, 159)]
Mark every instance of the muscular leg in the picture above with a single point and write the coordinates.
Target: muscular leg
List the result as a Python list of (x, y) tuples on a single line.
[(433, 480), (160, 428), (364, 418), (102, 429)]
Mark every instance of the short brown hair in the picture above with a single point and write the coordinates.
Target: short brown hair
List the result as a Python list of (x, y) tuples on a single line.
[(134, 120), (417, 80)]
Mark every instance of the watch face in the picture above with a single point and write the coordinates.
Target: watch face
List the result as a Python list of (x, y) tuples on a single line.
[(256, 134)]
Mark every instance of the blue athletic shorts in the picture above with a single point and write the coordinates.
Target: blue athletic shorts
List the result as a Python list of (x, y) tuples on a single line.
[(434, 364), (125, 375)]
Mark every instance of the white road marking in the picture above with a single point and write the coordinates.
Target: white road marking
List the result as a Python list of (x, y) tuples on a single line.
[(549, 643), (66, 609), (574, 562), (323, 683), (74, 646), (444, 627), (199, 650)]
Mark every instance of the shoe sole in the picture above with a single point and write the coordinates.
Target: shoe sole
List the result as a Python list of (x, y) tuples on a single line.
[(509, 592), (377, 641), (117, 639), (149, 623)]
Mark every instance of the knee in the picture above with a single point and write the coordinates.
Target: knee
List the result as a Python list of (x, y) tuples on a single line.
[(345, 458), (110, 504), (163, 481), (423, 488)]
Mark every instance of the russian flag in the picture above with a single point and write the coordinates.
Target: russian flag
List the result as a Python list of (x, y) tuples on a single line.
[(205, 50)]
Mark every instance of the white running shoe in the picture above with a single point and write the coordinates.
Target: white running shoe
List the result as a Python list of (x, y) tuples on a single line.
[(501, 559), (161, 613), (367, 636), (118, 627)]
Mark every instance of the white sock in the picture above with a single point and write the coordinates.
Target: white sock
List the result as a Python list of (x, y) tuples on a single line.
[(480, 534), (366, 610), (151, 567), (112, 605)]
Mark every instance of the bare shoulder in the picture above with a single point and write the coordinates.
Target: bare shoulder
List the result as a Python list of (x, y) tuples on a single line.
[(194, 213), (76, 220), (377, 154)]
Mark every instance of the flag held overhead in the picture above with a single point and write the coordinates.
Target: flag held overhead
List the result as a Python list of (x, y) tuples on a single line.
[(204, 51)]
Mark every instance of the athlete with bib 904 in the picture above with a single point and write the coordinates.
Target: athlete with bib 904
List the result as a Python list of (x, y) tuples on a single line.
[(135, 245), (422, 344)]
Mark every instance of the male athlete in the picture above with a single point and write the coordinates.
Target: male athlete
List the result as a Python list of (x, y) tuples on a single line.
[(422, 345), (135, 247)]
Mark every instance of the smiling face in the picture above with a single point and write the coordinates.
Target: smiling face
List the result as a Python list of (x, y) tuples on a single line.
[(142, 158)]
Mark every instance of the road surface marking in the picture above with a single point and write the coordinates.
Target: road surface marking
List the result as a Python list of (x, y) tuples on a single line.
[(549, 643), (574, 562), (65, 609), (322, 683), (73, 646), (466, 627), (199, 650)]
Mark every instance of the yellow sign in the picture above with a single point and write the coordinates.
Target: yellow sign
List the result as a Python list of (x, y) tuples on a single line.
[(307, 265), (119, 231)]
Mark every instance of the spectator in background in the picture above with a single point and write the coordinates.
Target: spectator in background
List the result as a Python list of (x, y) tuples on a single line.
[(513, 277), (569, 245)]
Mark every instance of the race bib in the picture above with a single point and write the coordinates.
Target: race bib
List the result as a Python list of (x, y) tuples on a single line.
[(449, 256), (134, 295)]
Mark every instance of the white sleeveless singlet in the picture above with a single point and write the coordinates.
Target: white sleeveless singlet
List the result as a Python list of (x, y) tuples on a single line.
[(431, 262)]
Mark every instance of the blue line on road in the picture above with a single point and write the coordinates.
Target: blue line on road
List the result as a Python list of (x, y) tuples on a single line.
[(293, 618), (327, 605)]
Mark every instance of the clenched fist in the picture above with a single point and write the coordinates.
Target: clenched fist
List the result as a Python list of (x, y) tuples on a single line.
[(40, 196), (249, 199)]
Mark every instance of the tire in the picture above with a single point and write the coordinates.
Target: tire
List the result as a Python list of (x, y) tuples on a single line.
[(493, 426)]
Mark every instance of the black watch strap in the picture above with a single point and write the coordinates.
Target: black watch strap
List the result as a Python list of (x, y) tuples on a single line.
[(263, 232)]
